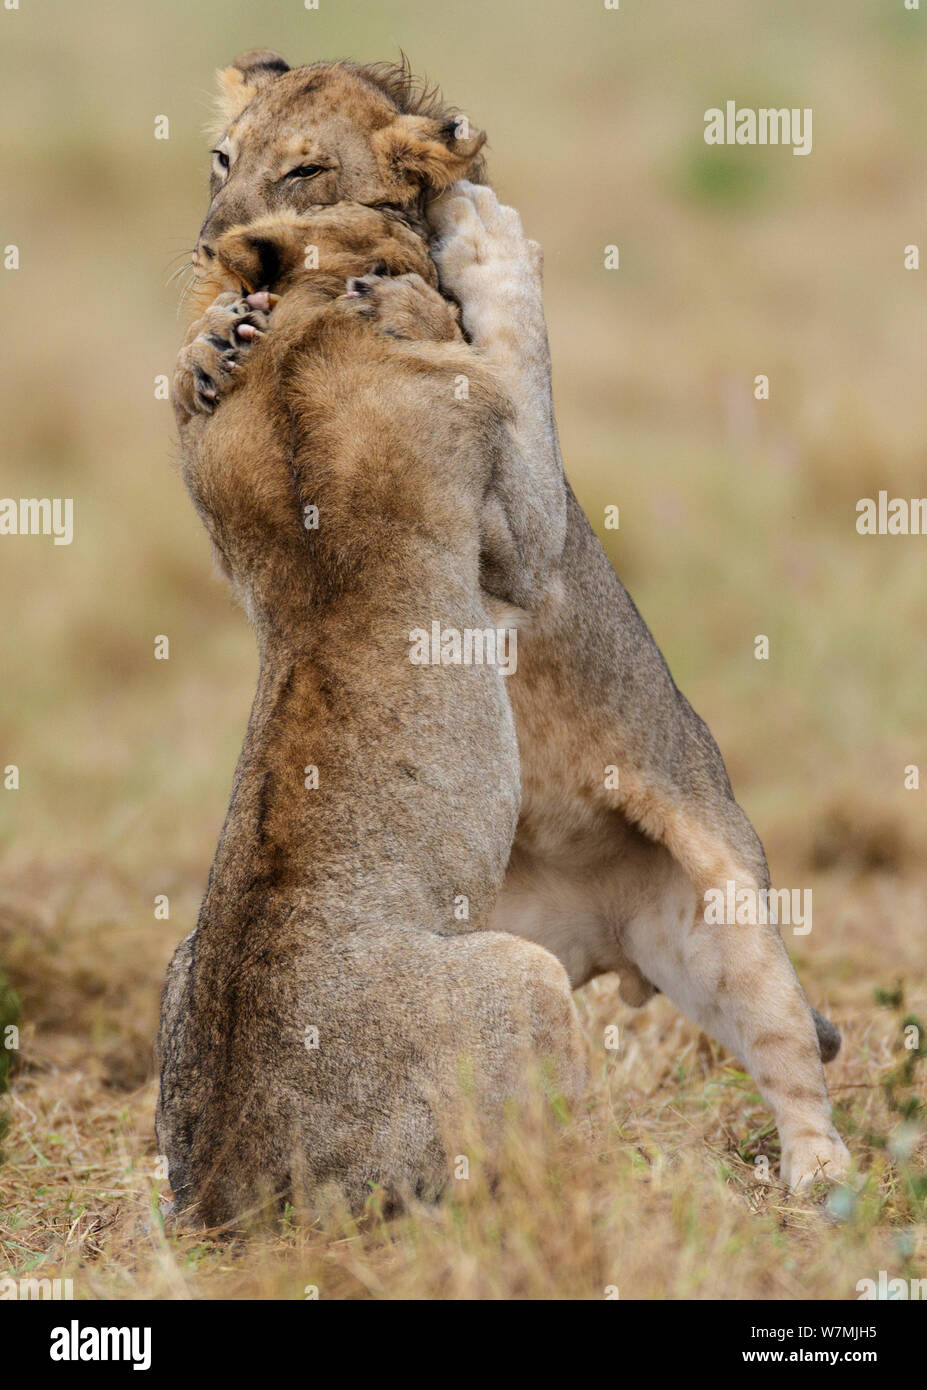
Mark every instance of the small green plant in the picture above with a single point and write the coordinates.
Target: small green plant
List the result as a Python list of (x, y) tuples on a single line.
[(903, 1089), (901, 1095)]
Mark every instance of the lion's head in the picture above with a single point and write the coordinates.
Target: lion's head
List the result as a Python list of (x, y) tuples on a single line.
[(347, 239), (293, 138)]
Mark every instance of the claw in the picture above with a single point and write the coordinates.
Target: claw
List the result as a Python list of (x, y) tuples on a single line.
[(263, 300)]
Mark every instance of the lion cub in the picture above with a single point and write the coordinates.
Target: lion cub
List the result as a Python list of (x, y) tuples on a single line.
[(317, 1025), (627, 815)]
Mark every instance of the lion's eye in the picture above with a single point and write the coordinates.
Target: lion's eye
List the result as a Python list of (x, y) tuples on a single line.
[(222, 157), (305, 171)]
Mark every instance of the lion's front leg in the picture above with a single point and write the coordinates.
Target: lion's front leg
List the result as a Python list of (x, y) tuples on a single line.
[(494, 272), (215, 348)]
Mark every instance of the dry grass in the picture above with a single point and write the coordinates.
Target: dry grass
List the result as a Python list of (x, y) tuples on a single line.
[(737, 519), (652, 1187)]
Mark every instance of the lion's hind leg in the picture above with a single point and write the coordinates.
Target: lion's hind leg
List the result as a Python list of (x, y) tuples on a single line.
[(738, 984)]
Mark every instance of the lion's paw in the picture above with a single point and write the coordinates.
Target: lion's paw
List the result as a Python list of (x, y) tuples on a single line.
[(208, 367), (402, 306), (484, 258), (809, 1157)]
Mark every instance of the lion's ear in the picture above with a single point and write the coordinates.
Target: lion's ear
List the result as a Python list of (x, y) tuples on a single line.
[(260, 254), (431, 152), (241, 81)]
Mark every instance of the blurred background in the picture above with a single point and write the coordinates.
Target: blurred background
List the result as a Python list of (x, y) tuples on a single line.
[(737, 516)]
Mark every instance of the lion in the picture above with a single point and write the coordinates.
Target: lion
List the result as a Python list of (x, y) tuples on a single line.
[(627, 819), (343, 989)]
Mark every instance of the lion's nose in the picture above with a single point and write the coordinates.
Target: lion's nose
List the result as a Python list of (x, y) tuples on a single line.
[(203, 254)]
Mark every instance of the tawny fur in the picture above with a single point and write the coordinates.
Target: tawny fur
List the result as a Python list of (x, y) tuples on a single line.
[(335, 1009), (603, 876)]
